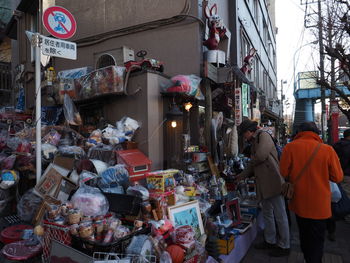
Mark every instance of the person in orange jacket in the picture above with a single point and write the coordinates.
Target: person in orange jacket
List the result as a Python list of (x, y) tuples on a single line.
[(311, 202)]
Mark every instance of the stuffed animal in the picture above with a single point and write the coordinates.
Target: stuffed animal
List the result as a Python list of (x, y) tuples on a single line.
[(216, 29), (163, 228), (248, 61)]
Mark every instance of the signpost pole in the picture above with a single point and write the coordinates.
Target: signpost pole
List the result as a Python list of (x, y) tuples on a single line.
[(36, 41)]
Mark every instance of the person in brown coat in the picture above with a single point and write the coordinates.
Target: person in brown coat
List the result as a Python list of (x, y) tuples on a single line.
[(264, 165)]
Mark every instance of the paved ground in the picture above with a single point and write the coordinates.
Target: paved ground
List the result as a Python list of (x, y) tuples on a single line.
[(335, 252)]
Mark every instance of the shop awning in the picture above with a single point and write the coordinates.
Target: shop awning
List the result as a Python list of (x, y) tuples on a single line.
[(270, 114), (240, 75), (25, 6)]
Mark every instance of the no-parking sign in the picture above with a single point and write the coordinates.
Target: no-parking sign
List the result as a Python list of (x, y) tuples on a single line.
[(59, 22)]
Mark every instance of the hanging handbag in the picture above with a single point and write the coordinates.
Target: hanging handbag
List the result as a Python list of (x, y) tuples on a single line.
[(342, 207), (288, 187)]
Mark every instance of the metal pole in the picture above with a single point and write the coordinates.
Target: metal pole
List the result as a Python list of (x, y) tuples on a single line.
[(333, 123), (37, 105), (323, 94)]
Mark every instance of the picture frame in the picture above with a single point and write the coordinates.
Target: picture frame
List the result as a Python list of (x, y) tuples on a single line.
[(187, 214), (50, 180), (64, 189), (233, 211)]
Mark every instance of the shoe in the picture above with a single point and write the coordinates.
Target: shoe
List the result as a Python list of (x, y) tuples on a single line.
[(279, 252), (264, 245), (331, 236)]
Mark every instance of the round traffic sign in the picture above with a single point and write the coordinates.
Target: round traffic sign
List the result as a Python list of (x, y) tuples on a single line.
[(59, 22)]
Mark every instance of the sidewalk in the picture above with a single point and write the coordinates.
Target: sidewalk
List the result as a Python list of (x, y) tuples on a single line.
[(335, 252)]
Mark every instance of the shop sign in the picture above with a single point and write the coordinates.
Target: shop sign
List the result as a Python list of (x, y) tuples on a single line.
[(58, 48), (238, 106), (245, 99)]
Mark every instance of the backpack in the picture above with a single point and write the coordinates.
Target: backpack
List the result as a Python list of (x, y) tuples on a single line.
[(278, 147)]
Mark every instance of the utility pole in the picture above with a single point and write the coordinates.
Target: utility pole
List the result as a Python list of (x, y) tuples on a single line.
[(283, 129), (323, 93), (333, 123)]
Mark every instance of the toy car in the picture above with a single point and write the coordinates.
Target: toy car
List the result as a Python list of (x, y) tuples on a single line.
[(144, 63), (12, 116)]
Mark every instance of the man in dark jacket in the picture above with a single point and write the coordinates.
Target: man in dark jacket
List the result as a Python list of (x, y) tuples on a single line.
[(342, 149)]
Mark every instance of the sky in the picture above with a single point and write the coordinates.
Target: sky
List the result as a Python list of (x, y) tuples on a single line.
[(293, 46)]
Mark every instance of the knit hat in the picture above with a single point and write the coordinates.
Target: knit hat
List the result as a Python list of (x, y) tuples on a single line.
[(247, 125)]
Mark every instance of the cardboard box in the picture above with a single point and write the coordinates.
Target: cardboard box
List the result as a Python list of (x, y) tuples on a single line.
[(65, 162), (161, 181), (226, 245)]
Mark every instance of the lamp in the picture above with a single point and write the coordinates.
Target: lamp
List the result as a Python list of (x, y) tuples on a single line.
[(188, 106), (173, 113), (294, 64)]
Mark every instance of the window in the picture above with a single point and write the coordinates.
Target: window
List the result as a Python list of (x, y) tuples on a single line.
[(265, 83), (274, 59), (256, 11), (265, 34), (256, 70), (104, 61)]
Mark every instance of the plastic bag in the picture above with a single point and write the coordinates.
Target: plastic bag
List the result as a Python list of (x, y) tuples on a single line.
[(48, 151), (53, 137), (28, 205), (128, 126), (86, 176), (115, 176), (70, 111), (8, 162), (335, 192), (24, 147), (90, 201), (139, 191), (185, 236), (185, 84), (71, 151)]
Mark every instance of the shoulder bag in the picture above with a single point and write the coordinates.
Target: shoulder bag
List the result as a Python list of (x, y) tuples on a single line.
[(288, 187)]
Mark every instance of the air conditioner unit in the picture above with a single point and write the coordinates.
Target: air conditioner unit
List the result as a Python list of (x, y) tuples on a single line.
[(119, 55)]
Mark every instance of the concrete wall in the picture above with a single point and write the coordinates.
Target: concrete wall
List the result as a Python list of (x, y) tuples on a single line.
[(146, 106), (177, 46)]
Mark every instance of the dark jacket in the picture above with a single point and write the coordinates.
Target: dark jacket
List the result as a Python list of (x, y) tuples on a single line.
[(342, 148)]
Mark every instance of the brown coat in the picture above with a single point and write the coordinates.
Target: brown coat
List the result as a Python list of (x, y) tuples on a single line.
[(264, 166)]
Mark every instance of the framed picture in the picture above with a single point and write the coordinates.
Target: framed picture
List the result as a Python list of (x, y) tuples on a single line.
[(50, 180), (64, 190), (233, 211), (62, 253), (187, 214)]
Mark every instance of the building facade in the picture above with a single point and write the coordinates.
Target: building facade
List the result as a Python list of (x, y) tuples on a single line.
[(172, 32)]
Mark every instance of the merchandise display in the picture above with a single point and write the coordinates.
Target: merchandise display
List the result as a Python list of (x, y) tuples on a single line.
[(99, 193)]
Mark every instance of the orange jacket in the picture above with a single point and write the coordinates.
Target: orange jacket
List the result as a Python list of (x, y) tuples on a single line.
[(312, 195)]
